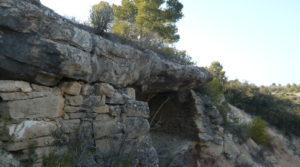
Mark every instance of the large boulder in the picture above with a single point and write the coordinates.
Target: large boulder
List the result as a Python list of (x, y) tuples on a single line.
[(39, 46)]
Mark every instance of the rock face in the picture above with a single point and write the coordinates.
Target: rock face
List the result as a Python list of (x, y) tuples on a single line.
[(43, 48), (212, 143), (60, 83)]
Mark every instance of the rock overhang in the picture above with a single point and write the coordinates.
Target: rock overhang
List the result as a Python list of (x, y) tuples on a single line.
[(40, 46)]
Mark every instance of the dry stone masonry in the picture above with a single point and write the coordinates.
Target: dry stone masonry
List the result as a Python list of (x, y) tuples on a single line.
[(30, 115)]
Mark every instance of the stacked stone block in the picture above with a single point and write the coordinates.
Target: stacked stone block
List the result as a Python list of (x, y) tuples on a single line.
[(113, 122)]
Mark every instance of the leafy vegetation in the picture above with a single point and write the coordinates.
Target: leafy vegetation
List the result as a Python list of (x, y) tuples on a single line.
[(175, 55), (78, 148), (215, 89), (147, 20), (57, 160), (256, 130), (143, 24), (261, 102), (101, 17), (31, 155), (265, 102)]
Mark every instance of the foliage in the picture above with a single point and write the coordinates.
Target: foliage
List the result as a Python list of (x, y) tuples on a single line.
[(256, 129), (282, 113), (146, 20), (223, 109), (289, 88), (165, 52), (261, 102), (57, 160), (31, 155), (101, 17), (143, 24), (215, 88), (217, 70), (177, 56), (78, 149)]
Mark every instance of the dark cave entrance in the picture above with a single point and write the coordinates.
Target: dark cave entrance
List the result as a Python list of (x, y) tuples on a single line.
[(172, 113)]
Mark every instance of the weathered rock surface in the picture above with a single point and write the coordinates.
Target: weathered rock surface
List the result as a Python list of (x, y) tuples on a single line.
[(83, 88), (43, 48), (7, 160), (71, 88), (14, 86), (67, 117), (43, 107), (31, 129), (214, 146)]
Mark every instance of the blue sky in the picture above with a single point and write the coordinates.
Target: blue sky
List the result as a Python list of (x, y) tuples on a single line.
[(255, 40)]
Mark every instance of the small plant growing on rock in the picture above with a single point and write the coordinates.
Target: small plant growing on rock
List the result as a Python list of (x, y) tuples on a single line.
[(56, 160), (78, 148), (256, 129), (31, 155)]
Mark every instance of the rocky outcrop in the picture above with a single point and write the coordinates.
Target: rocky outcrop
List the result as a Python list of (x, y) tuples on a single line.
[(44, 48), (213, 143)]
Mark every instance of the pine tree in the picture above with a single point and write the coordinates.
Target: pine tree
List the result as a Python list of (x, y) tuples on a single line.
[(148, 20)]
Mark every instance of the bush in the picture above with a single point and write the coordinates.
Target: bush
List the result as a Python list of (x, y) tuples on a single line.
[(57, 160), (78, 146), (175, 55), (260, 102), (215, 88), (101, 17), (256, 130), (169, 53)]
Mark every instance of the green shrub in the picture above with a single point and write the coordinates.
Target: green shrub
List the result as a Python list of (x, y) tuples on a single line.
[(101, 17), (215, 88), (175, 55), (256, 130), (223, 109), (55, 160), (261, 102)]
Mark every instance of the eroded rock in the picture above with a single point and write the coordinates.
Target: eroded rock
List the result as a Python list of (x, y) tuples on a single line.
[(14, 86), (31, 129), (71, 88), (43, 107), (52, 48)]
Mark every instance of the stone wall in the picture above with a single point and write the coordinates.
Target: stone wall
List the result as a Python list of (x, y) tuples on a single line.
[(112, 124), (64, 89)]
